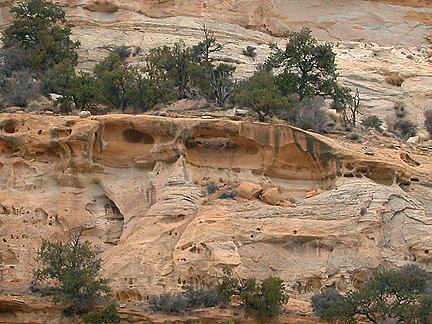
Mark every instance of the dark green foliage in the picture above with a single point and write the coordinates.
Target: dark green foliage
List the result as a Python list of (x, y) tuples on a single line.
[(73, 266), (401, 294), (149, 88), (174, 62), (115, 77), (405, 127), (308, 67), (428, 121), (261, 93), (202, 51), (14, 59), (372, 121), (215, 81), (121, 85), (263, 301), (331, 306), (77, 88), (249, 51), (36, 30), (123, 51), (192, 71), (108, 315)]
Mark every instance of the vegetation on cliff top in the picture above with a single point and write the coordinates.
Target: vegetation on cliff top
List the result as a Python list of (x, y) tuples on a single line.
[(39, 57)]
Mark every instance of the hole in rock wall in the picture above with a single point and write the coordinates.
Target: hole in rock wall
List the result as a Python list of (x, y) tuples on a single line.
[(41, 215), (135, 136), (409, 160), (130, 295), (9, 126)]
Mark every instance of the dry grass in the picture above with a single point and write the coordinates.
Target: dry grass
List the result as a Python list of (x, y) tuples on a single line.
[(104, 6), (395, 79)]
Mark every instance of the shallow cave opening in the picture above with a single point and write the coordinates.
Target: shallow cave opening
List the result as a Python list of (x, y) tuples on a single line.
[(9, 126), (135, 136)]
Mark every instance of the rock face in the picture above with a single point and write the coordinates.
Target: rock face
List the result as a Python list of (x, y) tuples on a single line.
[(384, 22), (139, 187)]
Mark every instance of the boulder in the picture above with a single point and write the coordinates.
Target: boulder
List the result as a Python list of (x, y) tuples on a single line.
[(249, 190), (271, 196)]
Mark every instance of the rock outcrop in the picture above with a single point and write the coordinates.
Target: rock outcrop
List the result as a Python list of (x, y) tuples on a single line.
[(139, 187)]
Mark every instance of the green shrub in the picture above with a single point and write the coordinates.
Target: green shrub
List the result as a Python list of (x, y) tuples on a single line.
[(372, 121), (264, 301), (388, 295), (261, 93), (74, 267), (330, 306), (169, 303), (406, 128), (249, 51), (108, 315), (38, 30), (201, 297)]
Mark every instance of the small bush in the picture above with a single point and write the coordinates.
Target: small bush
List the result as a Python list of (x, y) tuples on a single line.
[(249, 51), (202, 297), (372, 121), (264, 301), (212, 188), (329, 305), (108, 315), (122, 51), (353, 137), (406, 128), (395, 79), (192, 298), (169, 303), (428, 121), (306, 114), (230, 194), (20, 88)]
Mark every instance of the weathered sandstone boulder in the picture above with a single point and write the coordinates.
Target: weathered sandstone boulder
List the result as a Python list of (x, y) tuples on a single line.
[(249, 190), (271, 196)]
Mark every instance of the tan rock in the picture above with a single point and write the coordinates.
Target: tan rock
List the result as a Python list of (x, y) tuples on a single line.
[(312, 193), (288, 203), (271, 196), (135, 184), (249, 190)]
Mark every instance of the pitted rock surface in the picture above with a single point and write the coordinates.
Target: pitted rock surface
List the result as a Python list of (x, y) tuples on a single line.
[(138, 186)]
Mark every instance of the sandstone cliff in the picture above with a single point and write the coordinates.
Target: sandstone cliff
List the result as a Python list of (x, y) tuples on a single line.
[(138, 185)]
